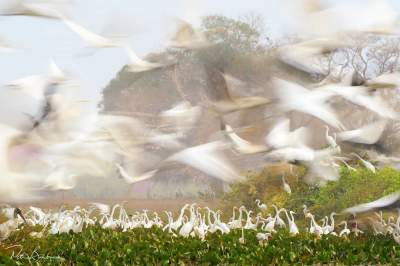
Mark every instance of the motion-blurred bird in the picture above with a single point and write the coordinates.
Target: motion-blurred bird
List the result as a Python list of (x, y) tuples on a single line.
[(280, 136), (240, 145), (209, 159), (39, 9), (93, 40), (137, 177), (368, 134), (294, 97), (182, 117), (187, 37), (390, 201), (137, 64), (234, 102), (385, 81)]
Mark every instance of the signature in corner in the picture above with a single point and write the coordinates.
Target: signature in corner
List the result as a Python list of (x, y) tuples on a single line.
[(34, 256)]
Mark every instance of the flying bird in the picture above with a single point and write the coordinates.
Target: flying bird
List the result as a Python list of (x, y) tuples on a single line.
[(39, 9), (187, 37), (208, 158), (93, 40), (232, 102), (390, 201), (384, 81), (182, 117), (137, 64), (294, 97), (368, 134), (136, 178), (240, 145), (280, 136)]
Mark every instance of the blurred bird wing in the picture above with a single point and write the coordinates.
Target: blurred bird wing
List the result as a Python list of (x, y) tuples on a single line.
[(22, 7), (91, 38), (183, 116), (136, 178), (14, 186), (390, 80), (379, 203), (301, 55), (292, 154), (295, 97), (320, 171), (139, 65), (188, 37), (60, 180), (241, 145), (208, 159), (368, 17), (33, 85), (236, 88), (368, 134), (278, 136), (55, 72), (359, 95)]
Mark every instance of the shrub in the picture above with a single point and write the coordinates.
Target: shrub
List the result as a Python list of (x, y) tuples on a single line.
[(353, 187)]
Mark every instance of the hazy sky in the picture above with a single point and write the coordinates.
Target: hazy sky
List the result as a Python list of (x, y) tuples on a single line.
[(150, 22)]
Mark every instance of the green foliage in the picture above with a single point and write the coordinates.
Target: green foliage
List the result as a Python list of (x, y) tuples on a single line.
[(266, 185), (97, 246), (353, 187)]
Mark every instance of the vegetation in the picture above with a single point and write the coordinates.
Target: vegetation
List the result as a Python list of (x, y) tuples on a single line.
[(96, 246), (140, 246), (353, 187)]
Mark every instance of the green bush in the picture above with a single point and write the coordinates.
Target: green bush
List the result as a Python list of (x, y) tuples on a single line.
[(97, 246), (353, 187)]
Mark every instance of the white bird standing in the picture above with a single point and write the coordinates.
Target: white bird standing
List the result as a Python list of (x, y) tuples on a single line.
[(286, 186), (293, 229), (367, 164), (260, 205), (329, 139), (345, 231)]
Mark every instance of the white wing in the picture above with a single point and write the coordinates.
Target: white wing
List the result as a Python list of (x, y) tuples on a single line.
[(297, 98), (241, 145), (368, 134), (89, 37), (134, 179), (209, 159), (379, 203)]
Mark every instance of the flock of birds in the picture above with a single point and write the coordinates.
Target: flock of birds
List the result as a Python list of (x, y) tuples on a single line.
[(56, 145), (192, 221)]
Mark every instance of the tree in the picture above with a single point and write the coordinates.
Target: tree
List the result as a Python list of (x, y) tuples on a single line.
[(367, 55)]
